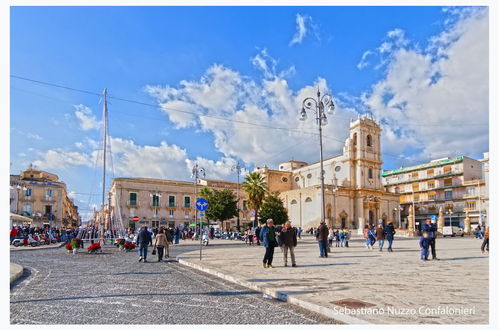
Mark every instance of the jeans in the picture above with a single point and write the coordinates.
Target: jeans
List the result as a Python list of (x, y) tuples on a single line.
[(390, 241), (285, 253), (368, 241), (433, 252), (176, 239), (424, 254), (380, 243), (161, 250), (143, 251), (269, 255), (485, 243), (323, 248)]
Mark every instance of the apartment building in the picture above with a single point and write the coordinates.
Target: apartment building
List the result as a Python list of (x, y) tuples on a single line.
[(40, 196), (446, 183), (158, 202)]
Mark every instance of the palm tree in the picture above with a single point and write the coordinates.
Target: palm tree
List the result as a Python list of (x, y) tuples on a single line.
[(256, 188)]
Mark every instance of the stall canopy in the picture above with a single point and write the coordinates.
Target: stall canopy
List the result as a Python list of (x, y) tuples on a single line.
[(19, 219)]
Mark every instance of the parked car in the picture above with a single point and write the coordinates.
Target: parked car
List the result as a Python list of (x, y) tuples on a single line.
[(452, 231)]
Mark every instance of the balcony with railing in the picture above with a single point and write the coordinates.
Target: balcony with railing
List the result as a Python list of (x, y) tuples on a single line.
[(26, 198), (48, 199), (132, 203)]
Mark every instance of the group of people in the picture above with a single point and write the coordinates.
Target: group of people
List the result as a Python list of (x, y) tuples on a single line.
[(380, 234), (159, 239), (341, 237)]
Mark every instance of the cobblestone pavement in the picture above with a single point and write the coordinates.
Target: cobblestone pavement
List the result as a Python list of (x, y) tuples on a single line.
[(114, 288), (397, 287)]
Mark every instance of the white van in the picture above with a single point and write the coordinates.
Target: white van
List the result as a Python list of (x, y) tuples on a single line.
[(452, 231)]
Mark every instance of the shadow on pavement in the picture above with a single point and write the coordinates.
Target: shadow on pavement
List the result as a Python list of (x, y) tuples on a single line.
[(268, 279), (215, 293)]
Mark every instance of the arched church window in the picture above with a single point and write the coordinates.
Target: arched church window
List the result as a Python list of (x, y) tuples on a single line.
[(293, 202), (370, 173), (369, 141), (308, 200)]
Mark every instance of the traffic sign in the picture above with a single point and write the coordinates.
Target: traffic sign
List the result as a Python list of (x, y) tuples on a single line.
[(136, 219), (433, 217), (201, 214), (201, 204), (252, 213)]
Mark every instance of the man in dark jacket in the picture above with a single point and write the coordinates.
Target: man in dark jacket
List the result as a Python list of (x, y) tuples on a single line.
[(389, 233), (269, 240), (322, 234), (288, 242), (431, 229), (257, 234), (143, 240)]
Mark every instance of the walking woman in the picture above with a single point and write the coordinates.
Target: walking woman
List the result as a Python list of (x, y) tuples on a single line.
[(485, 241), (160, 243), (380, 236)]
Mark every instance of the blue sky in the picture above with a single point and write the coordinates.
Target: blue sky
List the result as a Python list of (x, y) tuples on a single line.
[(410, 66)]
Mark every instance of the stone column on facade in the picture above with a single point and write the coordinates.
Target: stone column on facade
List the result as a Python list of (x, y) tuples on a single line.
[(467, 223), (441, 221), (410, 228)]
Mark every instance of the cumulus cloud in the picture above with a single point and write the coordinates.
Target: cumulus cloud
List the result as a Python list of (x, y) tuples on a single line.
[(229, 104), (86, 119), (435, 100), (59, 159)]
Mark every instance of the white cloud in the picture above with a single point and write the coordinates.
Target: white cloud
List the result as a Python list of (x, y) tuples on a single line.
[(224, 93), (304, 27), (86, 118), (59, 159), (301, 30), (363, 61), (436, 99)]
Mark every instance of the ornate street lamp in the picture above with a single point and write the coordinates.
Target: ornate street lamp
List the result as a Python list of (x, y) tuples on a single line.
[(317, 106), (237, 169)]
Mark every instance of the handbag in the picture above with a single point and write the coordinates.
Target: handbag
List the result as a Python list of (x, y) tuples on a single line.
[(154, 251)]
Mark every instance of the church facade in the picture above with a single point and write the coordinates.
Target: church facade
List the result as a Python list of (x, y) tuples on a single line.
[(354, 194)]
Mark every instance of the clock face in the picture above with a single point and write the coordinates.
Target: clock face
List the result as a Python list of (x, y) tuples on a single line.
[(337, 168)]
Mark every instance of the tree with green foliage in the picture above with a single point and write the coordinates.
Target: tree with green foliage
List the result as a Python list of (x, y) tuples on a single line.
[(222, 204), (256, 189), (273, 208)]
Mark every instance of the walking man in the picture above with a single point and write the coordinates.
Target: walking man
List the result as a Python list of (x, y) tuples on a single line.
[(380, 236), (431, 229), (289, 242), (143, 240), (268, 238), (389, 233), (322, 234)]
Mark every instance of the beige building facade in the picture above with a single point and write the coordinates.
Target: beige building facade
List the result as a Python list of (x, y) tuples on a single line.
[(453, 184), (44, 199), (160, 202), (354, 195)]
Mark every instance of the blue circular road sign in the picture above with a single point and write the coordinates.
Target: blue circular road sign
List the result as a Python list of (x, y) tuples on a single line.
[(201, 204)]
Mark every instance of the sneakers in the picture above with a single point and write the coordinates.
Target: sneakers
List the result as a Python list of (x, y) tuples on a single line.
[(285, 265), (140, 259), (145, 260), (294, 265), (264, 265), (269, 266)]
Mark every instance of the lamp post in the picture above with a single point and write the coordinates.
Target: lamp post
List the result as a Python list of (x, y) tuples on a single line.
[(317, 106), (196, 173), (449, 212), (237, 168)]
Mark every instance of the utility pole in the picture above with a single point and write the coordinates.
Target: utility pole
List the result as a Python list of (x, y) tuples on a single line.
[(104, 124), (196, 172)]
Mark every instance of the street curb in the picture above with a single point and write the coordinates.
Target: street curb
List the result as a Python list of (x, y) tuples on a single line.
[(280, 295), (16, 271), (25, 248)]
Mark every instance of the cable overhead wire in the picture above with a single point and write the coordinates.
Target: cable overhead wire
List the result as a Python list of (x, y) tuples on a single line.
[(254, 125)]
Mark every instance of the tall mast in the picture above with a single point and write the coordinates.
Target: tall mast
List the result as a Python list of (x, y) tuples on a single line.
[(104, 124)]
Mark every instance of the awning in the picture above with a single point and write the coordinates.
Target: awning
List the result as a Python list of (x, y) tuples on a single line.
[(19, 218)]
